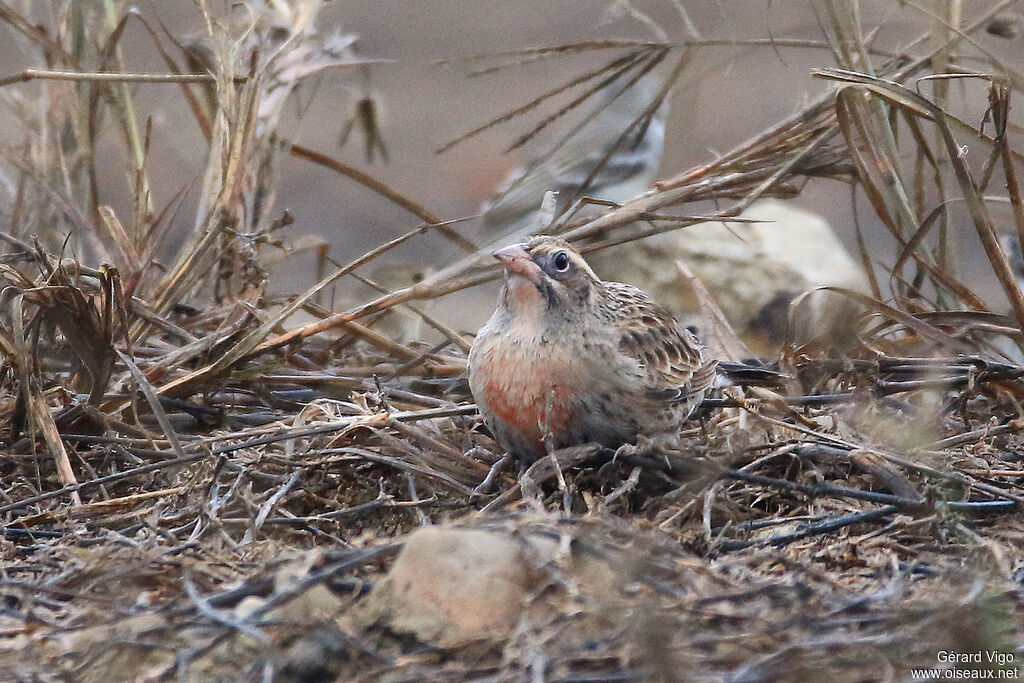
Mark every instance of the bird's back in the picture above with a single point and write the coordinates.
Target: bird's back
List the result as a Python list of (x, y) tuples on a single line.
[(596, 160)]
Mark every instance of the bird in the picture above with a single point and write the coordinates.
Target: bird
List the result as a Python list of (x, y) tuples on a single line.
[(612, 156), (754, 270), (568, 359)]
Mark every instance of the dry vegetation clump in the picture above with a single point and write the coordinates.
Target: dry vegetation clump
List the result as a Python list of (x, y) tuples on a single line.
[(198, 483)]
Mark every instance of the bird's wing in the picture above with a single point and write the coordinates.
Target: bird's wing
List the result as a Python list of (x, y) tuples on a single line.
[(566, 171), (671, 357), (586, 164)]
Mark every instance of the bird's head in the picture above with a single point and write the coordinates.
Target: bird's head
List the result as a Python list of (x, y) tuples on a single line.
[(546, 274)]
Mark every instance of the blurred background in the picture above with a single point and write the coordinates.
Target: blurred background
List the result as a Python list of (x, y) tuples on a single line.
[(728, 93)]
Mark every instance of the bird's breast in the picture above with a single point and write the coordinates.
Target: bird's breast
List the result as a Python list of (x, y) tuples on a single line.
[(529, 385)]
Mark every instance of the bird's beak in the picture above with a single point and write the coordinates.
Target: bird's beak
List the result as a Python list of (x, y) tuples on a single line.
[(517, 261)]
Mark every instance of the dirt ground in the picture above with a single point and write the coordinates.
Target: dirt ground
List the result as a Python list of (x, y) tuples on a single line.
[(211, 470)]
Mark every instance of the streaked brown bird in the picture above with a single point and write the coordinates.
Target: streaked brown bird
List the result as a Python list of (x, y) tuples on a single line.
[(569, 359), (613, 155)]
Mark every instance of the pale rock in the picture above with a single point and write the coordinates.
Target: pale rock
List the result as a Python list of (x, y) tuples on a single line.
[(453, 586), (753, 271)]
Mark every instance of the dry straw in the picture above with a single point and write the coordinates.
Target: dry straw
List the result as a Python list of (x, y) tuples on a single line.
[(175, 443)]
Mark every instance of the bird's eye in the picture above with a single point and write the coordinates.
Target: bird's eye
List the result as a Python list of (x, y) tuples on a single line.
[(561, 262)]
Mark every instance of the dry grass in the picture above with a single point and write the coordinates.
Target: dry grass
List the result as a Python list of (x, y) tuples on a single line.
[(173, 444)]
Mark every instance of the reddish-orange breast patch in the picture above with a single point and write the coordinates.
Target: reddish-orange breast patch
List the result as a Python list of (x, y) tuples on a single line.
[(529, 396)]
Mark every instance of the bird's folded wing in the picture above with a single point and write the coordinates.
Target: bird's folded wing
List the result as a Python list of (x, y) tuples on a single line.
[(565, 171), (671, 357)]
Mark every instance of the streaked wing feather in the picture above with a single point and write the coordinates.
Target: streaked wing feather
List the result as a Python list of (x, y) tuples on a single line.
[(572, 162), (564, 171), (672, 357)]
